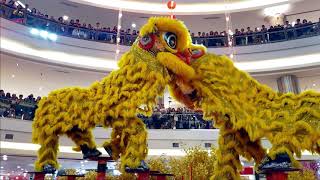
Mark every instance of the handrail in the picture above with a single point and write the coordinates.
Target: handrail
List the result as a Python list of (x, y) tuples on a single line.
[(270, 36)]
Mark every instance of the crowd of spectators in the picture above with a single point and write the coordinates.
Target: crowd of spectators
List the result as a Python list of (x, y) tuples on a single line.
[(74, 27), (12, 106), (17, 107), (63, 26), (260, 35)]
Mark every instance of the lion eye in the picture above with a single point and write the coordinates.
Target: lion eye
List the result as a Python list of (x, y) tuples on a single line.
[(171, 39)]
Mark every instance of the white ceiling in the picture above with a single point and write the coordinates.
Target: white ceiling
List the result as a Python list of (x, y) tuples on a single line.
[(109, 17)]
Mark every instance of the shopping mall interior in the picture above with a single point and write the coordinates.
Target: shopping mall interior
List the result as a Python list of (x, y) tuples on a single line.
[(55, 53)]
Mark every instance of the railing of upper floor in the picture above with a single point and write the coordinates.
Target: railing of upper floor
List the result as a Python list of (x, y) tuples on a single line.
[(277, 34)]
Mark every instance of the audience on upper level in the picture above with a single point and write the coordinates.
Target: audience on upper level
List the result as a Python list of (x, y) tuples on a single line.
[(17, 107), (79, 29), (181, 118)]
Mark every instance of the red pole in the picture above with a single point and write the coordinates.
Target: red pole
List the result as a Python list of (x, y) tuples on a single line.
[(190, 171), (277, 176), (39, 176), (101, 171), (143, 176)]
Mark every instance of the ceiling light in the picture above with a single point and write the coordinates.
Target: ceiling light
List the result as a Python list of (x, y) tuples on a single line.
[(12, 75), (34, 31), (276, 10), (1, 167), (18, 167), (65, 17), (52, 37), (21, 4), (313, 85), (183, 9), (44, 34), (57, 56), (231, 56), (133, 25)]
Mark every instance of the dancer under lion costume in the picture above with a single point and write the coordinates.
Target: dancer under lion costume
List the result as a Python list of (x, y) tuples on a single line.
[(246, 111), (115, 101)]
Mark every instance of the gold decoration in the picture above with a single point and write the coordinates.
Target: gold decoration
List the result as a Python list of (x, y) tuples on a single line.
[(304, 174)]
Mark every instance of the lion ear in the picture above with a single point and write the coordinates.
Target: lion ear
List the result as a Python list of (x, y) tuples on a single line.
[(147, 42)]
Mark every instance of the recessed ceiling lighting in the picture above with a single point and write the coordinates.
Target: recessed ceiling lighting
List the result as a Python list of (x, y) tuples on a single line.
[(65, 17), (133, 25), (1, 167), (13, 76), (52, 37), (313, 84), (34, 31), (44, 34), (17, 64), (276, 10), (18, 167)]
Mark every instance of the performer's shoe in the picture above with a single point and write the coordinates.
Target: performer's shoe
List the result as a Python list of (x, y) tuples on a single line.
[(89, 153), (142, 168), (48, 169), (281, 162), (109, 150)]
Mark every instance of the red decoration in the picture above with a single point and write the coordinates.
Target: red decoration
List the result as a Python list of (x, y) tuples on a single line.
[(173, 16), (171, 4), (277, 176), (247, 171)]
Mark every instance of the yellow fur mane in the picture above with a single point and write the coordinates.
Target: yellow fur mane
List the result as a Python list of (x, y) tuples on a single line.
[(110, 102)]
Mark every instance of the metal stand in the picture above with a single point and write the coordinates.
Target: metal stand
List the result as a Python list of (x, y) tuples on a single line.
[(160, 176), (157, 174), (102, 166), (37, 175), (278, 174), (71, 177), (143, 176)]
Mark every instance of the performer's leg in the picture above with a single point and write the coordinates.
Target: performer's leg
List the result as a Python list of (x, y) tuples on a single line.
[(116, 145), (249, 149), (286, 141), (135, 142), (47, 154), (84, 141), (228, 163)]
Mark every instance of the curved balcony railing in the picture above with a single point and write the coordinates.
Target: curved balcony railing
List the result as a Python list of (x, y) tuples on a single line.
[(270, 36), (25, 110)]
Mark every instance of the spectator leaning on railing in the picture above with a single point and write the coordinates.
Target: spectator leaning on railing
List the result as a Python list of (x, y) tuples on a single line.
[(82, 30), (181, 118)]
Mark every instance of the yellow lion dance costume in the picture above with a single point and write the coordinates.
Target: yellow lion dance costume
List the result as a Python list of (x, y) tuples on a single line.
[(245, 111), (116, 100)]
